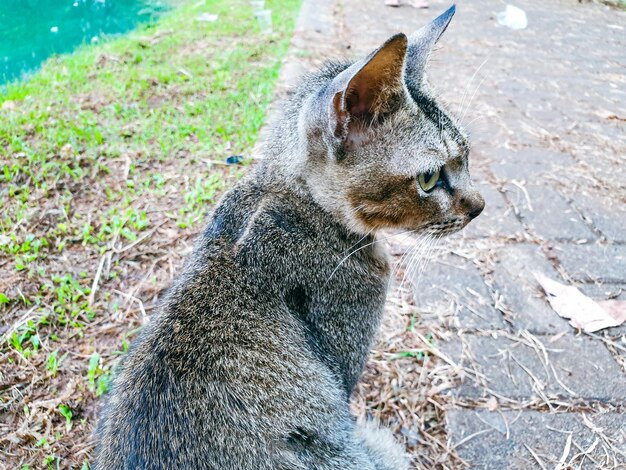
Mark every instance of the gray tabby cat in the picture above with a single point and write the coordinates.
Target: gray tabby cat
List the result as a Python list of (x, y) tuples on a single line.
[(253, 355)]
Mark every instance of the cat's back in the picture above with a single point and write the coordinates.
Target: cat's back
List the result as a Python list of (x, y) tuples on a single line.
[(223, 358)]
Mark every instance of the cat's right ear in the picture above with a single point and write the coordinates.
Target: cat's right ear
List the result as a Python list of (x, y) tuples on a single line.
[(366, 90), (421, 44)]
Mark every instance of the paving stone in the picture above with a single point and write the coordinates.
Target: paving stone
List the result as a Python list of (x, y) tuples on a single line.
[(604, 291), (505, 437), (513, 278), (548, 214), (453, 293), (607, 214), (619, 332), (576, 367), (528, 163), (593, 262), (496, 220)]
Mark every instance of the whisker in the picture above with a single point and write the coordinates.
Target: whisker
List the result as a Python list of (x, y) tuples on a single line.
[(474, 120), (361, 248), (426, 258), (417, 273), (471, 99), (467, 87), (405, 255), (357, 209), (413, 256), (416, 258), (360, 240), (408, 255)]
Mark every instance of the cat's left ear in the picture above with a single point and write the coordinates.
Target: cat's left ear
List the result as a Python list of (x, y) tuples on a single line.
[(369, 88), (421, 44)]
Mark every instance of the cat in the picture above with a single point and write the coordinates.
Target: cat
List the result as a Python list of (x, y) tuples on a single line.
[(258, 344)]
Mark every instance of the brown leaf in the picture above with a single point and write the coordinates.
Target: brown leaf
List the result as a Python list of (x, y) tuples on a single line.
[(615, 308), (581, 311)]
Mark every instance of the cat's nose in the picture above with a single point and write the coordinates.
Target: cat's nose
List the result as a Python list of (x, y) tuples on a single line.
[(476, 212), (472, 204)]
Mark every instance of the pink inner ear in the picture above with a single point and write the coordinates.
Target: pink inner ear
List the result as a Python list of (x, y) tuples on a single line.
[(360, 99), (341, 115), (371, 87)]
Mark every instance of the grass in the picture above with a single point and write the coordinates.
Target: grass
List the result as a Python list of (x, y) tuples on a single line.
[(110, 159)]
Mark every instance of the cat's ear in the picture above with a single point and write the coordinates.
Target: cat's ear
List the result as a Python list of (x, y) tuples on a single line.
[(421, 44), (368, 88)]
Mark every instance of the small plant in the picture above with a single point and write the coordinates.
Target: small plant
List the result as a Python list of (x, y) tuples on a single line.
[(97, 379), (419, 355), (66, 412), (71, 302), (94, 362), (25, 334), (53, 362), (125, 341), (197, 199), (126, 225), (49, 460), (411, 326)]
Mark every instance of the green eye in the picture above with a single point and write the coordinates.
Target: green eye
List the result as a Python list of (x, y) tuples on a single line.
[(428, 181)]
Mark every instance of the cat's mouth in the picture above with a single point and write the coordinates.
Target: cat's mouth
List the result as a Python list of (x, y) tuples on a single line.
[(447, 227)]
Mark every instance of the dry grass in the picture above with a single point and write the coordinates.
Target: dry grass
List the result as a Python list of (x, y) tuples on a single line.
[(421, 359), (406, 379)]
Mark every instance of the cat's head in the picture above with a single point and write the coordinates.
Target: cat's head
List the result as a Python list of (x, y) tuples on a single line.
[(380, 152)]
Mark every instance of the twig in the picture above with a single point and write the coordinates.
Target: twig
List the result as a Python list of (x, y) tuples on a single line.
[(471, 436), (96, 280), (138, 241), (536, 457), (19, 323), (566, 449), (526, 195), (132, 298)]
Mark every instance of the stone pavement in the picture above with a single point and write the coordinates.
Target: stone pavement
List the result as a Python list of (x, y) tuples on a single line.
[(546, 109)]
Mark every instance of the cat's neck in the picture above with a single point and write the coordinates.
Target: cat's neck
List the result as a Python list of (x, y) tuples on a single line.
[(284, 153)]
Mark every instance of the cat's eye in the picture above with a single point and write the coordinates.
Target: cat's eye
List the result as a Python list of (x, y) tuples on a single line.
[(428, 180)]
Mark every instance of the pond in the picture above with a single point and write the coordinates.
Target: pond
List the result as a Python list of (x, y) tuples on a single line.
[(33, 30)]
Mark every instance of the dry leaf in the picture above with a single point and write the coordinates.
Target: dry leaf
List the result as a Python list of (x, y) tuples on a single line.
[(615, 309), (581, 311)]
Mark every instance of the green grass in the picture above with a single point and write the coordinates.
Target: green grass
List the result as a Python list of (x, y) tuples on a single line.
[(110, 159)]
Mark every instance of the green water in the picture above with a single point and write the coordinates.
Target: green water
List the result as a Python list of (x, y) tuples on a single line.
[(33, 30)]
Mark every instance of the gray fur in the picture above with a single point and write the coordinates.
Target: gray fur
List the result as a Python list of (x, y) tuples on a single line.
[(421, 43), (252, 357)]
